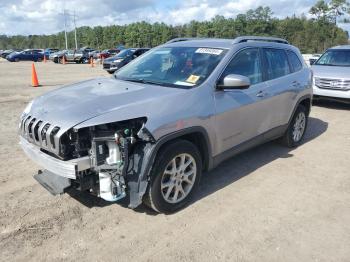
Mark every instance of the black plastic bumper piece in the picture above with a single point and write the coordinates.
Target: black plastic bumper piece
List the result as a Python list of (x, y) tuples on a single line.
[(53, 183)]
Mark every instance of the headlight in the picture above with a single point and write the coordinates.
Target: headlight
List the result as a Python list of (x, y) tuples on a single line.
[(25, 112), (28, 108), (118, 60)]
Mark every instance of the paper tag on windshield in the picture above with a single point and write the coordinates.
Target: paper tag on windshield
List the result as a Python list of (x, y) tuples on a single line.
[(211, 51), (181, 83), (193, 79)]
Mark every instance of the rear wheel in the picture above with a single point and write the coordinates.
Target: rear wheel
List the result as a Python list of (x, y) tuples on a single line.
[(296, 129), (17, 59), (39, 59), (174, 178)]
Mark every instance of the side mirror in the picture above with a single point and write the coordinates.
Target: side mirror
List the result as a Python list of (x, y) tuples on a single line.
[(234, 82)]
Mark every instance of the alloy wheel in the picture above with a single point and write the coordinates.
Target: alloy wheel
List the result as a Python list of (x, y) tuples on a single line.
[(299, 127), (178, 178)]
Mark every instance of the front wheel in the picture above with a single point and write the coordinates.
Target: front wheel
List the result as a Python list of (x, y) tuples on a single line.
[(174, 178), (296, 129)]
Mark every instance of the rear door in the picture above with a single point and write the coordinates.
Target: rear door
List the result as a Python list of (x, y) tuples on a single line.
[(281, 85)]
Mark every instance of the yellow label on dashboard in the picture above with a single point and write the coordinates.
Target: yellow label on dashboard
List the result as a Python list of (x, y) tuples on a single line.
[(193, 79)]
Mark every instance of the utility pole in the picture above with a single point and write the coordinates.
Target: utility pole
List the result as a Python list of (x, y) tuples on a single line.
[(75, 31), (65, 27)]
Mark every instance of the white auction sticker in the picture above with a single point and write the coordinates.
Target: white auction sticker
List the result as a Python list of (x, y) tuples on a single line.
[(212, 51)]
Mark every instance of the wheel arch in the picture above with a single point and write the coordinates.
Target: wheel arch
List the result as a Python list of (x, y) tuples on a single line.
[(305, 101), (196, 135)]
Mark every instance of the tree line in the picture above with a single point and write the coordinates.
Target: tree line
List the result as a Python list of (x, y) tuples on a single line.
[(310, 35)]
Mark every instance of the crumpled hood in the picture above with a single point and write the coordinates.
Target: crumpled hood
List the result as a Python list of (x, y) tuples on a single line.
[(73, 104), (333, 72)]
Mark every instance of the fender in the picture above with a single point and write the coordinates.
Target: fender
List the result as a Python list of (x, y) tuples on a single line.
[(143, 159)]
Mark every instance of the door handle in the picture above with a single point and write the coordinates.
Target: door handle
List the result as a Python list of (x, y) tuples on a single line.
[(260, 94)]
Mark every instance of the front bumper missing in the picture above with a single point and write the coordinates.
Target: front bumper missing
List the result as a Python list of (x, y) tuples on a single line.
[(68, 169), (53, 183)]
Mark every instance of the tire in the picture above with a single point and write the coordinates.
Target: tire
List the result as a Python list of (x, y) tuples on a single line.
[(16, 59), (39, 60), (294, 135), (171, 198)]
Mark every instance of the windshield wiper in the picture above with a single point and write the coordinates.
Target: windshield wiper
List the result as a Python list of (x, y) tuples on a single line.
[(331, 65), (151, 82)]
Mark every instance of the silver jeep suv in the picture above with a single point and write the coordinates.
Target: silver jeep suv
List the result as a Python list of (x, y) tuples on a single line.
[(149, 132)]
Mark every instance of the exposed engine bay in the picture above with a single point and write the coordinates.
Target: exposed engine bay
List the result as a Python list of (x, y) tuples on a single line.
[(110, 148)]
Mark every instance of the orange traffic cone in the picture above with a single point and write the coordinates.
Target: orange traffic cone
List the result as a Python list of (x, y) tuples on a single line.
[(35, 82), (44, 58), (63, 60)]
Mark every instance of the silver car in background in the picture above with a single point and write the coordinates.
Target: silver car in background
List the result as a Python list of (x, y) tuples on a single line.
[(148, 132), (332, 74)]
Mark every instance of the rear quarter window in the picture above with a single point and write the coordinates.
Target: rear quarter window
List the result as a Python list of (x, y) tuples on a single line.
[(294, 61)]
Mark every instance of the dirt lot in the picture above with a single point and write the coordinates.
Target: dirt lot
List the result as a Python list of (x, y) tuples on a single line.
[(268, 204)]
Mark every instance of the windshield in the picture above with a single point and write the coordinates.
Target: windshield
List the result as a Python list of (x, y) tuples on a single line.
[(173, 66), (125, 53), (334, 57)]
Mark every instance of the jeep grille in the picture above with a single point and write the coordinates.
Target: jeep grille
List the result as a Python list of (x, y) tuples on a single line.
[(40, 133)]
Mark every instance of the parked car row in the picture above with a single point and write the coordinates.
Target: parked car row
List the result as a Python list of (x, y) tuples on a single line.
[(79, 56), (331, 69)]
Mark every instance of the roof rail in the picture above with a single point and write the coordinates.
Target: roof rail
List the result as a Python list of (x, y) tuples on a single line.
[(181, 39), (242, 39)]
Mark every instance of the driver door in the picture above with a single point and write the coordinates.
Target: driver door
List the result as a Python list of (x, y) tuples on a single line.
[(27, 56), (242, 114)]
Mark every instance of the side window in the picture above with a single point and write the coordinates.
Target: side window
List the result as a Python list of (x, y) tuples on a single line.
[(246, 63), (137, 53), (294, 61), (277, 63)]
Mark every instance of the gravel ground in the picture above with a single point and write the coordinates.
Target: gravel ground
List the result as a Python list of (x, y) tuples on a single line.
[(268, 204)]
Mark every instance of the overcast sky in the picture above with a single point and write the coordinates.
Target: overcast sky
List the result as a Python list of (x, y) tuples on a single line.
[(46, 16)]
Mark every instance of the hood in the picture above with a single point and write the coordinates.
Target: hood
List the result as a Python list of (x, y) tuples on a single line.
[(73, 104), (333, 72), (15, 53), (111, 59)]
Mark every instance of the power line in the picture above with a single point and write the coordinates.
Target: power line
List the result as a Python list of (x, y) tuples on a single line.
[(65, 28), (67, 14)]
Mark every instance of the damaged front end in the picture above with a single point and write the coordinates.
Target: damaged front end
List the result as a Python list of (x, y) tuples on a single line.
[(118, 153)]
